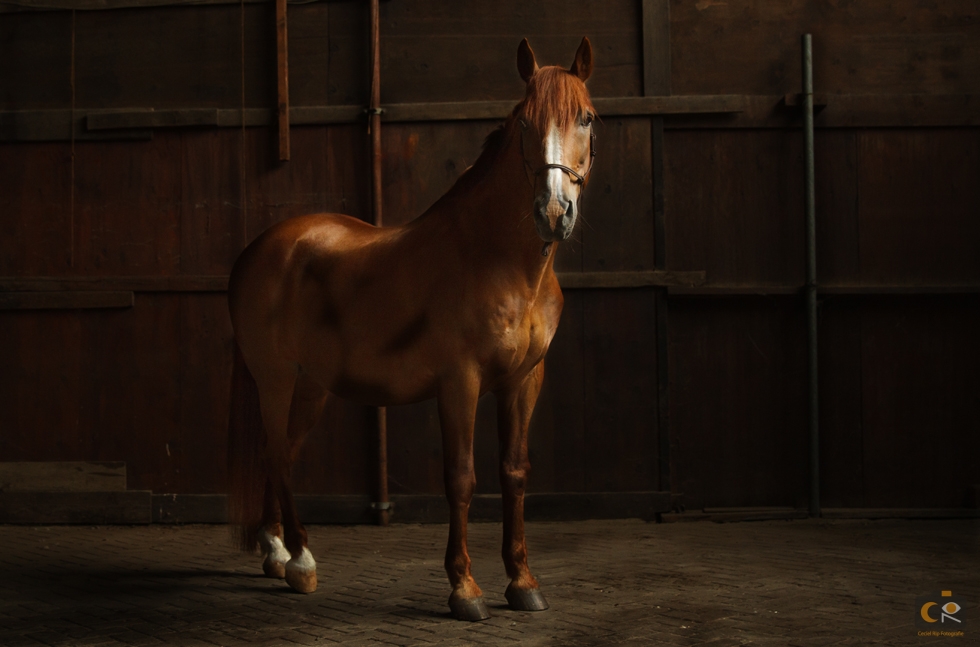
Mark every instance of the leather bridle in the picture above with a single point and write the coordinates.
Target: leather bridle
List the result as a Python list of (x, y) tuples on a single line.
[(577, 177)]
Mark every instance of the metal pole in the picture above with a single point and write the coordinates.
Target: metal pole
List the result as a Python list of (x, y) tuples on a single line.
[(382, 504), (811, 276)]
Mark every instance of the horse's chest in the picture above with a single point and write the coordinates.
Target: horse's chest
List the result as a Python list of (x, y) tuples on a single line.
[(520, 332)]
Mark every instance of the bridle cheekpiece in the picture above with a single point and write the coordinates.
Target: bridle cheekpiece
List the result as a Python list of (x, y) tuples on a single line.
[(577, 177)]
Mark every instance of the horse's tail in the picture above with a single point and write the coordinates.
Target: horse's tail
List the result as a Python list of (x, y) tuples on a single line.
[(247, 466)]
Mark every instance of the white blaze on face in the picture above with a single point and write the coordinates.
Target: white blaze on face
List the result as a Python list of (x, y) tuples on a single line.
[(553, 154)]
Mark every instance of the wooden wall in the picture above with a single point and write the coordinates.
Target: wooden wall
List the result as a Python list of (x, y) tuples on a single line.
[(897, 239)]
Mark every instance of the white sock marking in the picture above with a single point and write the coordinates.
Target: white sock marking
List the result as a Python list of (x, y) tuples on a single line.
[(304, 562), (272, 546)]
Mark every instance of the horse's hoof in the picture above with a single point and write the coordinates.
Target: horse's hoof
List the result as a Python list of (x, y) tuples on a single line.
[(276, 555), (301, 572), (272, 568), (469, 609), (525, 599)]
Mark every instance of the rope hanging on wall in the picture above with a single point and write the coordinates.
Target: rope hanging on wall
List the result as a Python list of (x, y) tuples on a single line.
[(71, 125), (241, 179)]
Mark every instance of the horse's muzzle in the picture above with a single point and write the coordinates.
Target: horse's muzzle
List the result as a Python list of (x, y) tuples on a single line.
[(555, 219)]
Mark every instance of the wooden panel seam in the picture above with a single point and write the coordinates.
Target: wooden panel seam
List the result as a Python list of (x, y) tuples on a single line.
[(65, 300)]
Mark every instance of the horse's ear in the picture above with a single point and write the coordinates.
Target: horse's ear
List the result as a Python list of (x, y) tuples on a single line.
[(582, 67), (526, 64)]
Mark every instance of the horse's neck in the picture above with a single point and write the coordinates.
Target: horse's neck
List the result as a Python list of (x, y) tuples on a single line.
[(493, 218)]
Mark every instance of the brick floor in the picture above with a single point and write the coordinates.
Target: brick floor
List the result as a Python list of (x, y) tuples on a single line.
[(780, 583)]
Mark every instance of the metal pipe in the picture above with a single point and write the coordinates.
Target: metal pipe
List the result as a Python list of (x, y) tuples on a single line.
[(382, 504), (811, 276)]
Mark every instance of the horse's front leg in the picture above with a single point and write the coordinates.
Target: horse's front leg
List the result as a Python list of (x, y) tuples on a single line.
[(457, 415), (514, 408)]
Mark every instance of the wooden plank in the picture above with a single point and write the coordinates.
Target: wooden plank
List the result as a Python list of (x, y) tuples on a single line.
[(917, 207), (421, 161), (736, 355), (735, 515), (63, 476), (899, 513), (190, 508), (919, 385), (448, 111), (426, 508), (116, 283), (64, 300), (824, 290), (127, 208), (837, 178), (734, 290), (35, 182), (678, 284), (885, 110), (132, 507), (729, 184), (656, 47), (620, 391), (432, 52), (212, 231), (150, 118), (35, 63), (681, 112), (204, 351), (840, 388), (899, 290), (57, 125), (653, 278), (14, 6), (317, 115), (169, 58), (282, 76), (754, 47), (616, 232), (557, 443)]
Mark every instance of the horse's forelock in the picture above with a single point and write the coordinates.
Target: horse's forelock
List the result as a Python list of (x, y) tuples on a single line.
[(554, 93)]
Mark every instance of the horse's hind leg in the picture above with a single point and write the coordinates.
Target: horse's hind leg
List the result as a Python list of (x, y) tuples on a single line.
[(307, 404), (270, 536), (514, 408), (457, 415), (276, 390)]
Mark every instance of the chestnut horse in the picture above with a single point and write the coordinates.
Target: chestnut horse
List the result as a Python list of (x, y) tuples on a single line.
[(461, 301)]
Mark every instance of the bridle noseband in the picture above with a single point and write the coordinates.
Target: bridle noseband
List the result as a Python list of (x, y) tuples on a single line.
[(578, 178)]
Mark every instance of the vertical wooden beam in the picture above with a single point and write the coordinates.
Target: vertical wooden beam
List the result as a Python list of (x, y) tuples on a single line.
[(656, 82), (282, 67)]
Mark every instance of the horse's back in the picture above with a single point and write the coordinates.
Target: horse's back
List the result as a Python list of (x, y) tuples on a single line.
[(273, 264)]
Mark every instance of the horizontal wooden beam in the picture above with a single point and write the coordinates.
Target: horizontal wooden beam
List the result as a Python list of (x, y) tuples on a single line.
[(130, 507), (93, 289), (65, 300), (192, 283), (823, 290), (12, 6), (694, 111), (844, 111), (671, 105), (63, 476), (425, 508), (654, 278), (84, 284)]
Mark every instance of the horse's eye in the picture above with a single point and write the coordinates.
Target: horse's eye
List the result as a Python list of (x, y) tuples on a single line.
[(587, 121)]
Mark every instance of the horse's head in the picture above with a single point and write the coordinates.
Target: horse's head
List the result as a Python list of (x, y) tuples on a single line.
[(557, 141)]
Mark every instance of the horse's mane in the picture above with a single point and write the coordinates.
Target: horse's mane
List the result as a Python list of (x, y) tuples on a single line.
[(552, 93)]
